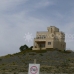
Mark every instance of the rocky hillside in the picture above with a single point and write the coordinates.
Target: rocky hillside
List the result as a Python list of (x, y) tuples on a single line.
[(50, 61)]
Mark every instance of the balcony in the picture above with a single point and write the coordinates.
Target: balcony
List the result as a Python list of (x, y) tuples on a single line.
[(39, 39)]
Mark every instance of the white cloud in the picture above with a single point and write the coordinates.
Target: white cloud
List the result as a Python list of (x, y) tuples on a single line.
[(8, 4), (57, 14), (14, 26), (43, 3)]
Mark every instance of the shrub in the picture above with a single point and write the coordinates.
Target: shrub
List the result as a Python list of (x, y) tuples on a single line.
[(24, 47), (40, 51), (9, 55), (0, 59), (50, 49), (31, 47), (13, 63), (65, 63), (41, 54), (68, 51), (3, 64), (32, 54)]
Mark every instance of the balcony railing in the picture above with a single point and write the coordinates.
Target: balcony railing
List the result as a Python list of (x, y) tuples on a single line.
[(40, 38)]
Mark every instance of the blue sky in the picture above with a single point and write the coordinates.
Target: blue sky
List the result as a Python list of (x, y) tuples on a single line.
[(18, 17)]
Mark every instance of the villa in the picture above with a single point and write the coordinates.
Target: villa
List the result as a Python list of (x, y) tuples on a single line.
[(51, 39)]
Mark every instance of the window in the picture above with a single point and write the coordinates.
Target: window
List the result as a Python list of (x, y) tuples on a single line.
[(52, 35), (51, 30), (41, 37), (42, 45), (37, 37), (49, 43), (44, 36)]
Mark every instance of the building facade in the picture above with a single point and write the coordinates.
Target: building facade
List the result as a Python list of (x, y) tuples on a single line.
[(53, 38)]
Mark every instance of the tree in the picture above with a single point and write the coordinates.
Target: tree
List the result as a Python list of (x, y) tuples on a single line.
[(31, 47), (24, 47)]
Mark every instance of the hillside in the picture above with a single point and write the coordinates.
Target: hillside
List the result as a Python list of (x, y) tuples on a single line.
[(50, 61)]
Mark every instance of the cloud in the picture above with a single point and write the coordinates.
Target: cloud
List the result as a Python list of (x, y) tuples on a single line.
[(43, 3), (13, 27), (5, 4)]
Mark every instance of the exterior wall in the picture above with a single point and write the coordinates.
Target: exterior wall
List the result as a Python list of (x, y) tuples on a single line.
[(53, 38), (49, 45)]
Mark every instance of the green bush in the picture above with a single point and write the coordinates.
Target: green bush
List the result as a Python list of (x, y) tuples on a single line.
[(65, 63), (41, 54), (0, 59), (32, 54), (31, 47), (68, 51), (8, 55), (40, 51), (24, 47), (50, 49)]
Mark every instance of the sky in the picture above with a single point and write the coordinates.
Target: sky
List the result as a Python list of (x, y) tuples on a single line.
[(21, 19)]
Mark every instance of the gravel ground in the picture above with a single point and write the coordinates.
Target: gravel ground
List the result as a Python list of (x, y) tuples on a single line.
[(50, 61)]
